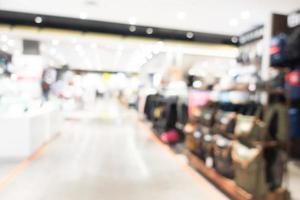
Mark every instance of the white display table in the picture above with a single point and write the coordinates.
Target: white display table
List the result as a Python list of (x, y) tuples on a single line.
[(22, 134)]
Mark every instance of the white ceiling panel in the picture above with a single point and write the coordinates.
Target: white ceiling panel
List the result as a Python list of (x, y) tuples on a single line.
[(214, 16)]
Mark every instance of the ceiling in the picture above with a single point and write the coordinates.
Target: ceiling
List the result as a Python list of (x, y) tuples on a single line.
[(212, 16), (111, 53)]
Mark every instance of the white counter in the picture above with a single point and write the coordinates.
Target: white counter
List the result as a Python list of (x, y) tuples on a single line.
[(22, 134)]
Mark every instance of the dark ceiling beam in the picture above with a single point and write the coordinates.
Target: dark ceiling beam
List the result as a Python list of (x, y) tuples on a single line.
[(88, 25)]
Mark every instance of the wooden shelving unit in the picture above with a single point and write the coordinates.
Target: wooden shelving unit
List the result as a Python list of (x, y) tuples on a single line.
[(226, 185)]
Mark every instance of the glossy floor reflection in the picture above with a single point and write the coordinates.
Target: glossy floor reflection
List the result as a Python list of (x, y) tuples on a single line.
[(105, 156)]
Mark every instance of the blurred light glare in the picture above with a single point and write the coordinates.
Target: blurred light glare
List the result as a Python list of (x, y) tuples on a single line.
[(181, 15), (4, 38), (190, 35), (55, 42), (4, 48), (83, 15), (233, 22), (132, 21), (132, 28), (38, 20), (149, 31), (11, 43), (245, 15)]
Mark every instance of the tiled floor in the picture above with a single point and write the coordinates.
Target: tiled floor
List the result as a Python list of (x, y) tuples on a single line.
[(106, 157)]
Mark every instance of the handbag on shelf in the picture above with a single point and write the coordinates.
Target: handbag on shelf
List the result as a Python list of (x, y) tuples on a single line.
[(208, 149), (239, 97), (249, 169), (278, 50), (293, 84), (170, 137), (199, 140), (276, 160), (190, 142), (222, 157), (249, 128), (224, 122), (294, 121), (207, 117), (276, 122)]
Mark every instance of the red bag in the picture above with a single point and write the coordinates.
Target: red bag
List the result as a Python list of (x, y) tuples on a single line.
[(170, 136)]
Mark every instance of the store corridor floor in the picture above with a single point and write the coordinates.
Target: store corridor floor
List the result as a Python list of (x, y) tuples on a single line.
[(109, 158)]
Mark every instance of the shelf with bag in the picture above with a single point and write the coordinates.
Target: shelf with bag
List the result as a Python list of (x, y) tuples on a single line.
[(236, 129), (285, 58), (233, 145), (238, 139)]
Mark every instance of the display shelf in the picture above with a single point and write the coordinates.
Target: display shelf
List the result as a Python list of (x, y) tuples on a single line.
[(226, 185)]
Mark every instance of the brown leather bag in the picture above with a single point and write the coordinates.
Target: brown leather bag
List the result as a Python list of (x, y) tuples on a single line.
[(190, 141), (222, 156), (224, 122)]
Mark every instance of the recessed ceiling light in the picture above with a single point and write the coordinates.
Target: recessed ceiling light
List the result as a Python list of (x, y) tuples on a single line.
[(83, 15), (132, 28), (38, 19), (190, 35), (233, 22), (149, 31), (132, 21), (234, 39), (181, 15), (245, 15)]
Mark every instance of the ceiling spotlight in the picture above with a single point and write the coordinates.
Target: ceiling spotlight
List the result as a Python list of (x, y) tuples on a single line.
[(83, 15), (132, 21), (132, 28), (38, 20), (233, 22), (245, 15), (181, 15), (190, 35), (234, 39), (149, 31)]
